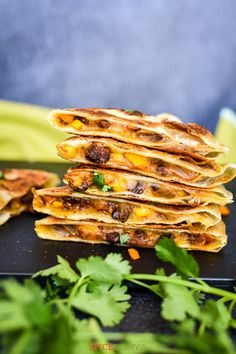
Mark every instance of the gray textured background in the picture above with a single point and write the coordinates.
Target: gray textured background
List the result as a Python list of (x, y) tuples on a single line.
[(151, 55)]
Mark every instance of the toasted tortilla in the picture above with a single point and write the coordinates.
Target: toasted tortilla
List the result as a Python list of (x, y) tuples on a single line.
[(15, 190), (120, 184), (109, 153), (51, 228), (163, 132), (63, 202)]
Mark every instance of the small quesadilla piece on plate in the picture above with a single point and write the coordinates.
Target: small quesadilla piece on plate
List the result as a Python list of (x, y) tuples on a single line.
[(90, 231), (15, 190), (63, 202), (121, 184), (162, 132), (110, 153)]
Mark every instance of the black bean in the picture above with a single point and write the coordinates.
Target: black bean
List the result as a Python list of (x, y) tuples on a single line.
[(113, 237), (140, 233), (121, 213), (82, 119), (139, 188), (98, 153), (104, 123)]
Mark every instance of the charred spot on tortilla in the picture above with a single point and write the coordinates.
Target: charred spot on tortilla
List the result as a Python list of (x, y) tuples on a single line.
[(98, 153)]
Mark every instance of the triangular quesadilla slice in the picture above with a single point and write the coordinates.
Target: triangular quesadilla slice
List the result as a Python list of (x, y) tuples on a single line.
[(63, 202), (15, 190), (110, 153), (127, 185), (163, 132), (90, 231)]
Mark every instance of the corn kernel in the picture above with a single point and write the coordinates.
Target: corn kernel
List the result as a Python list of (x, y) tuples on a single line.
[(136, 160), (57, 204), (142, 211), (70, 151), (67, 118), (117, 157), (77, 124), (119, 184)]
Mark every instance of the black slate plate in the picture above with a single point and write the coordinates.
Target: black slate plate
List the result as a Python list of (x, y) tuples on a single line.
[(22, 253)]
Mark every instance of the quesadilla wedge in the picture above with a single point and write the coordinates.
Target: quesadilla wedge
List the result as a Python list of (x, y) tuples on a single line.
[(15, 190), (51, 228), (109, 153), (162, 132), (120, 184), (63, 202)]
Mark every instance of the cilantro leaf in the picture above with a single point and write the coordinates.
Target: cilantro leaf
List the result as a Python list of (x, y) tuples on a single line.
[(178, 302), (108, 270), (2, 174), (129, 110), (62, 270), (99, 181), (124, 238), (107, 306), (116, 261), (185, 264)]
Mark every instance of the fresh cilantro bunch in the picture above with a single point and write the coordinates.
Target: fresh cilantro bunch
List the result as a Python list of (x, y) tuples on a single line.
[(38, 319), (95, 288)]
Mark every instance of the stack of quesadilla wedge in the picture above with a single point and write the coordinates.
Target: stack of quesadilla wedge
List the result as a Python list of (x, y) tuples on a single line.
[(15, 190), (138, 177)]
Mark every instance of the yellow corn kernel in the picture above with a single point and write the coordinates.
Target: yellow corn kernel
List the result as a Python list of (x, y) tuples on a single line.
[(70, 151), (136, 160), (119, 184), (67, 118), (116, 157), (57, 204), (141, 212), (77, 124)]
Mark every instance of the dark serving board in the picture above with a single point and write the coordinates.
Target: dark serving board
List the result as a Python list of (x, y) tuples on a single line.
[(22, 253)]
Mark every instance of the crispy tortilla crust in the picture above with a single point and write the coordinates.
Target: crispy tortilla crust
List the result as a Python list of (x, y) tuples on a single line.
[(131, 186), (109, 153), (52, 228), (15, 190), (162, 132), (62, 202)]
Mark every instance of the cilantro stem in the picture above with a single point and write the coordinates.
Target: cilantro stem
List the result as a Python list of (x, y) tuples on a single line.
[(144, 285), (74, 290), (231, 306), (201, 328), (204, 287)]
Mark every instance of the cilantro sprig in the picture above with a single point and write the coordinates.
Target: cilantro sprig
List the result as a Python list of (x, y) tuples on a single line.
[(99, 181), (36, 319), (95, 288)]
